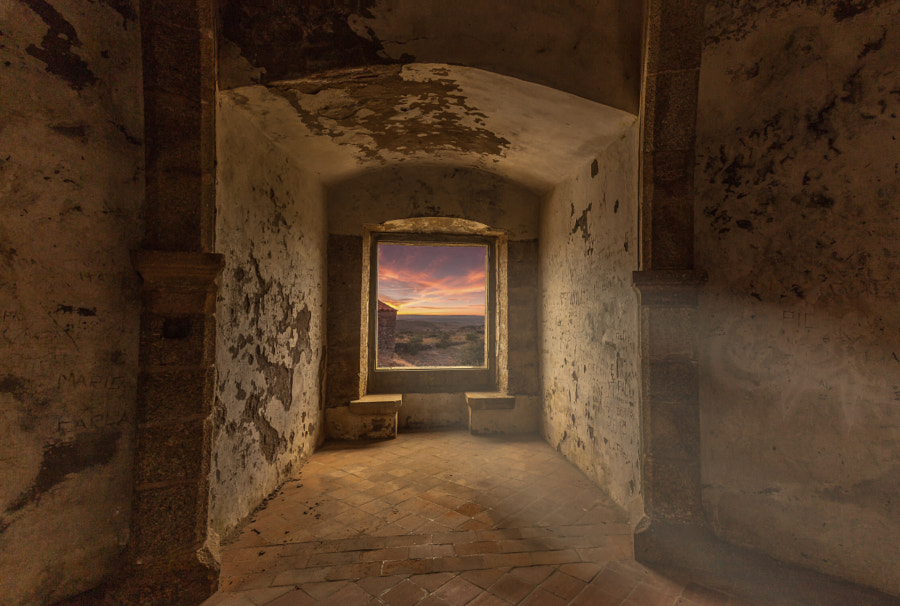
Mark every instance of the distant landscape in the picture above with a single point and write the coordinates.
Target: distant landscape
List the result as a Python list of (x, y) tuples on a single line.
[(437, 341)]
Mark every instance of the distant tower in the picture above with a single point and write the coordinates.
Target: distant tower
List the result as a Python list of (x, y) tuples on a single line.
[(387, 325)]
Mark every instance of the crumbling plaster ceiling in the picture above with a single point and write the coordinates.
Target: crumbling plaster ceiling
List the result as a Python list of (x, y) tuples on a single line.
[(590, 48), (341, 124)]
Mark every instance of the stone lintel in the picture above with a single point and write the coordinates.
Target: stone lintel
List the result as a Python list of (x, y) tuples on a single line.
[(177, 282), (668, 287), (490, 401)]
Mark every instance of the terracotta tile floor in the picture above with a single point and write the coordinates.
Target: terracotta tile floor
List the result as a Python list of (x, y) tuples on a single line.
[(443, 518)]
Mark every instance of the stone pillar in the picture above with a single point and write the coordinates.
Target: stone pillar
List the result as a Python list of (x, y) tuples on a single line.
[(179, 49), (667, 281), (172, 558), (670, 399)]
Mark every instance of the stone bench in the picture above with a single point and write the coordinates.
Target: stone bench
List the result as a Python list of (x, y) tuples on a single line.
[(495, 413), (374, 417)]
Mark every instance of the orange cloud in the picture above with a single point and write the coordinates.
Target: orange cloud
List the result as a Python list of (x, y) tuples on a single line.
[(418, 291)]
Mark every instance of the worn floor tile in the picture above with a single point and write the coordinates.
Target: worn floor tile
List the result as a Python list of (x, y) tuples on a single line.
[(437, 519)]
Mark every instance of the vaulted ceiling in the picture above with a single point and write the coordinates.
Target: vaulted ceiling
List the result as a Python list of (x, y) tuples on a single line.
[(589, 48), (344, 123)]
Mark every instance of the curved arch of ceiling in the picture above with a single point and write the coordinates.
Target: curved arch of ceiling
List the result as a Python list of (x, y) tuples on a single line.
[(591, 48), (341, 124), (416, 189)]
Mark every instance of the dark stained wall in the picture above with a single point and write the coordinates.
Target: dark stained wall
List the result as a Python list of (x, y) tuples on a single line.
[(590, 49), (797, 225), (71, 190)]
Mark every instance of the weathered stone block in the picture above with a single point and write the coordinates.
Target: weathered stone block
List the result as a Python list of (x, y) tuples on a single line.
[(668, 181), (172, 57), (676, 35), (343, 319), (176, 141), (369, 418), (502, 414), (667, 288), (433, 410), (167, 520), (671, 101), (185, 581), (175, 394), (523, 294), (174, 451), (674, 432), (671, 331), (490, 401), (172, 341), (525, 378), (672, 245), (672, 489), (172, 213), (377, 404), (189, 15), (672, 379)]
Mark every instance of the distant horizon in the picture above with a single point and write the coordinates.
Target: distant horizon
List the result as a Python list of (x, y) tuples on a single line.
[(440, 315)]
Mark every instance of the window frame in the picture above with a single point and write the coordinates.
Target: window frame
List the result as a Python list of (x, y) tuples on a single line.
[(433, 379)]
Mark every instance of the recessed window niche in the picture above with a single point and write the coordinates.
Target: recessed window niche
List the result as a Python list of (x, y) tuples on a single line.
[(433, 290)]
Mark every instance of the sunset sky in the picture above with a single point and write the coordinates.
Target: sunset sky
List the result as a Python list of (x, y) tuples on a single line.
[(432, 280)]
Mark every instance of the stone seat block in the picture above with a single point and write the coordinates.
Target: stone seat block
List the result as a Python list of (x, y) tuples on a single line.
[(495, 413), (490, 401), (372, 417), (377, 404)]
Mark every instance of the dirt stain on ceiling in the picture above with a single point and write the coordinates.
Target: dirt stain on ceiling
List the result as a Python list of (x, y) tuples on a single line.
[(397, 115)]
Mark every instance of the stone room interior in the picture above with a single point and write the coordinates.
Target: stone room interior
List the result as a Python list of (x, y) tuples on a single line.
[(690, 218)]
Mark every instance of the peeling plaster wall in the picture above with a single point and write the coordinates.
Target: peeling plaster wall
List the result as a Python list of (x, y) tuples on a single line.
[(71, 189), (587, 48), (589, 355), (270, 354), (431, 140), (797, 225), (404, 191)]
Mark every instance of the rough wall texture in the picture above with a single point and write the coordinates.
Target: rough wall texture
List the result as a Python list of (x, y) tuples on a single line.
[(347, 122), (71, 179), (271, 328), (534, 41), (430, 140), (403, 191), (589, 324), (797, 225), (523, 292), (344, 309), (400, 192)]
